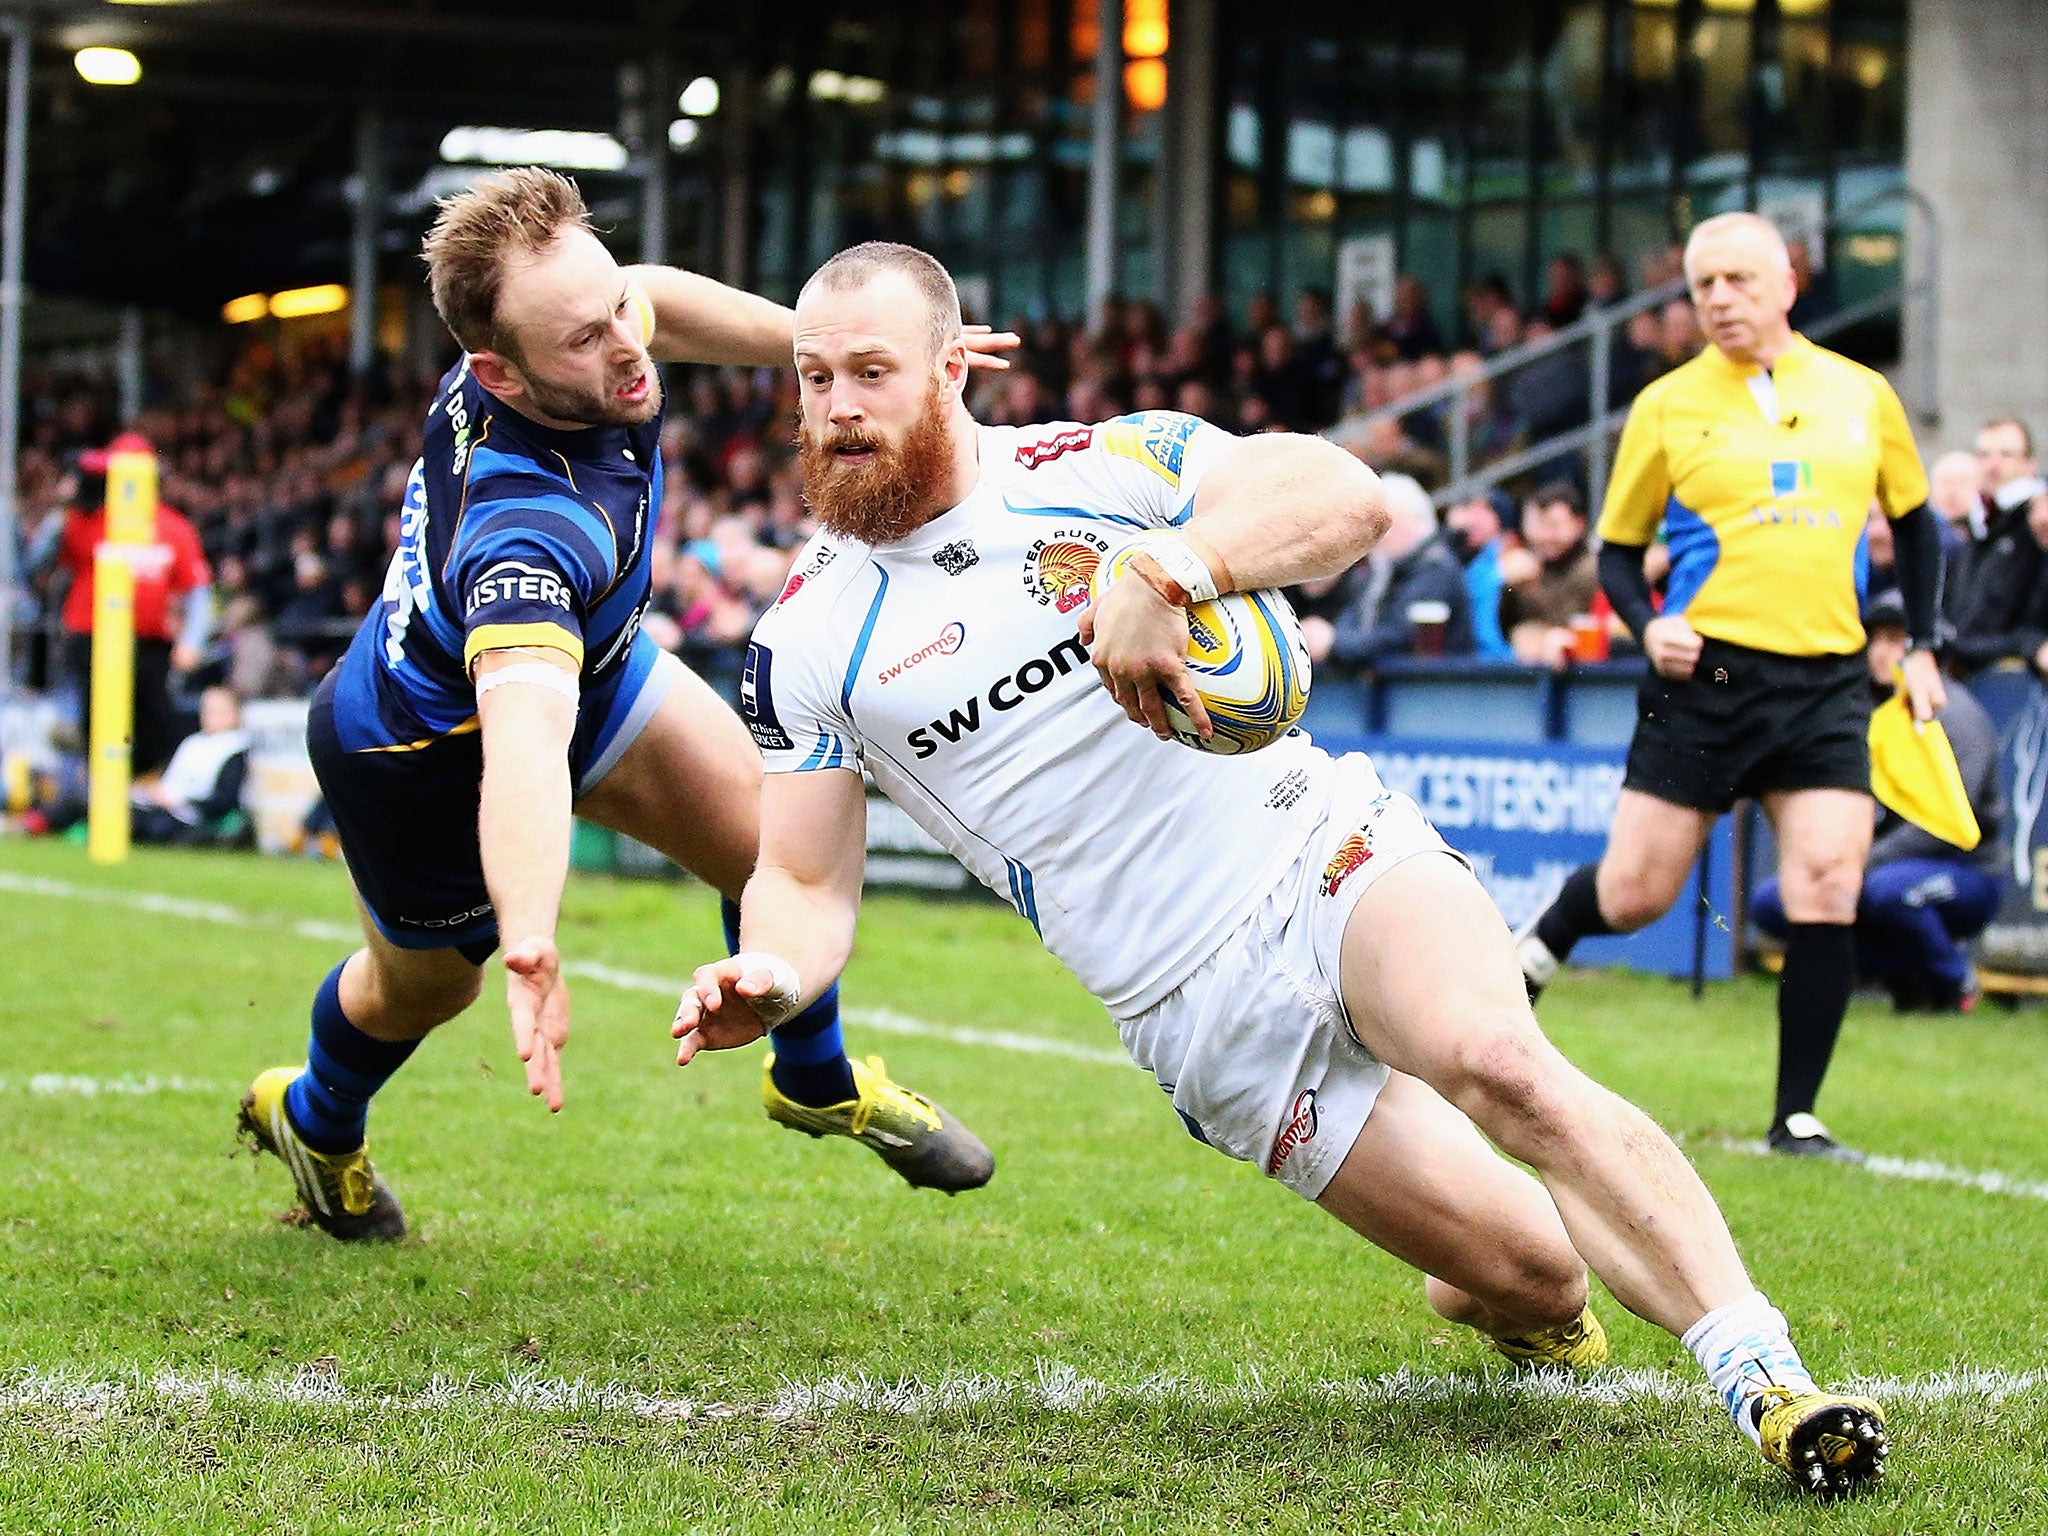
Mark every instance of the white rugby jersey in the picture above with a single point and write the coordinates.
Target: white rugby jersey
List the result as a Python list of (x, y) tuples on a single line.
[(947, 664)]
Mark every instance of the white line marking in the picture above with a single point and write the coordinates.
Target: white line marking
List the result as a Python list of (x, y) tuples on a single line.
[(883, 1020), (1919, 1170), (1054, 1387), (887, 1021), (61, 1084)]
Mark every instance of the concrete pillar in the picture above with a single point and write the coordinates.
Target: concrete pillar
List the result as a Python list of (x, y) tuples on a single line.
[(367, 235), (657, 109), (128, 364), (736, 186), (1105, 154), (1187, 190), (1977, 148)]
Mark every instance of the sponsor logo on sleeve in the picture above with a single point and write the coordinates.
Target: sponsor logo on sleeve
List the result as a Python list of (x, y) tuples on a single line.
[(514, 581), (1298, 1132), (818, 562), (1045, 449), (757, 700), (1059, 567), (956, 557), (1350, 857), (1156, 439)]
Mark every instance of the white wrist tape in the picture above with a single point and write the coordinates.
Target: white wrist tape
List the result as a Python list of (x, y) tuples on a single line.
[(784, 1000), (1178, 559), (539, 673)]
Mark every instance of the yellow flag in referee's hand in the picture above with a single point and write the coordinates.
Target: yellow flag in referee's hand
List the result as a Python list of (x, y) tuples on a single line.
[(1913, 771)]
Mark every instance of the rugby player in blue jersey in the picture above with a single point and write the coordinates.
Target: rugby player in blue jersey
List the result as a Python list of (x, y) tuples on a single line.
[(503, 681)]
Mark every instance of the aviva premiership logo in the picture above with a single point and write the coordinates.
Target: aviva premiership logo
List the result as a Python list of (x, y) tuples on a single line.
[(1350, 857), (1058, 567)]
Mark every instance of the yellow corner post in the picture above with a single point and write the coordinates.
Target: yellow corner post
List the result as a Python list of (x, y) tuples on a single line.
[(131, 526)]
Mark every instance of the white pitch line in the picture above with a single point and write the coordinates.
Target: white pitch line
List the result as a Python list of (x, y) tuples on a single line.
[(1053, 1387), (69, 1085), (883, 1020), (1918, 1170)]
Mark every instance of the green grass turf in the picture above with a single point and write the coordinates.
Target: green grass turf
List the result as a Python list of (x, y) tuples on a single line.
[(662, 1238)]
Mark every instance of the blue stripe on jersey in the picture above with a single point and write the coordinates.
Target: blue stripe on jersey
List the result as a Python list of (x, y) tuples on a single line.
[(1695, 551), (1022, 894), (1087, 514), (580, 540), (817, 757), (860, 646)]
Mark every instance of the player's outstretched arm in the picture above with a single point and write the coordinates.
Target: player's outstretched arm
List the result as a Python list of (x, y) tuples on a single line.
[(698, 319), (796, 916), (526, 707)]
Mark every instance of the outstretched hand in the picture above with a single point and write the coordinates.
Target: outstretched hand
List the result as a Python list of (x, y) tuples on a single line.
[(717, 1008), (985, 345), (538, 999)]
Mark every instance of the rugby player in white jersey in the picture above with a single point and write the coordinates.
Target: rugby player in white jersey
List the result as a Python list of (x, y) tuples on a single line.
[(1320, 984)]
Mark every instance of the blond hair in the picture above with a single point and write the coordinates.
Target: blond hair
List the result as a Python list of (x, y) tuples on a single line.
[(515, 212), (853, 267)]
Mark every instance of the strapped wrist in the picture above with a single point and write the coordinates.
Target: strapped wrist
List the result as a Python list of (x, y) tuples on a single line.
[(1170, 565), (784, 999)]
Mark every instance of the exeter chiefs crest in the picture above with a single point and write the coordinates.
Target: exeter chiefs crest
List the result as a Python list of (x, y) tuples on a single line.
[(1349, 858), (1058, 568)]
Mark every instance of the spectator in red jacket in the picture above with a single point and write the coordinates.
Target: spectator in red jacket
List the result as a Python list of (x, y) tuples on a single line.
[(171, 606)]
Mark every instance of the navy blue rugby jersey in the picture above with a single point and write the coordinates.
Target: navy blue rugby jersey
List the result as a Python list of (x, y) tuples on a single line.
[(512, 534)]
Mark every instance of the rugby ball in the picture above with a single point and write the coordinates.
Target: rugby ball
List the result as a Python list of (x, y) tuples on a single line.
[(1246, 658)]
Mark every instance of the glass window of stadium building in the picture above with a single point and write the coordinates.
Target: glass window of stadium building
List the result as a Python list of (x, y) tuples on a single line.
[(1260, 145)]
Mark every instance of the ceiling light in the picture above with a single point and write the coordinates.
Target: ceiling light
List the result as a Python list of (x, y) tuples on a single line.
[(323, 299), (107, 66), (562, 148), (250, 306), (699, 98)]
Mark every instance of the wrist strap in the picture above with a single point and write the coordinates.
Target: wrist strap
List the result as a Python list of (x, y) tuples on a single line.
[(538, 673), (1168, 564), (784, 1000)]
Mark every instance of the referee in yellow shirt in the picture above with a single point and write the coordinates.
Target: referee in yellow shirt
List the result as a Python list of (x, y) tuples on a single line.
[(1761, 458)]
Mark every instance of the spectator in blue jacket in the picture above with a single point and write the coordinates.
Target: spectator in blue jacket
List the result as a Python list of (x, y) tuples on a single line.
[(1481, 526)]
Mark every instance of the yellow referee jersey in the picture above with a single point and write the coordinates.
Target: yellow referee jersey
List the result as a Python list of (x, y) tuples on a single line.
[(1763, 483)]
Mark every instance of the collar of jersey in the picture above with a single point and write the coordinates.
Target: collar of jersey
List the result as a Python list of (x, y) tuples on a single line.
[(1796, 352)]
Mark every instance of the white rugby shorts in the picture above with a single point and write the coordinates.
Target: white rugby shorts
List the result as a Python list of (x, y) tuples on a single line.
[(1255, 1047)]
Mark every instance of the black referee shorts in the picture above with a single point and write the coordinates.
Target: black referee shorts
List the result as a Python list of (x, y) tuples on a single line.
[(1749, 722)]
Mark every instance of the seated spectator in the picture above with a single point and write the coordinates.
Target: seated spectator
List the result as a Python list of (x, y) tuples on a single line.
[(1606, 283), (1413, 564), (1996, 597), (1482, 301), (1482, 527), (1955, 489), (1923, 899), (1564, 290), (1679, 336), (1411, 327), (1550, 582), (1880, 551), (1814, 292), (199, 796)]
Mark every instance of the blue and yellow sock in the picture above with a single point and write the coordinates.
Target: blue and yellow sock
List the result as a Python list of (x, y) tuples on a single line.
[(329, 1102), (810, 1055)]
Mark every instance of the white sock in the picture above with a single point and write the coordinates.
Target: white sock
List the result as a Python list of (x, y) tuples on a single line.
[(1745, 1347)]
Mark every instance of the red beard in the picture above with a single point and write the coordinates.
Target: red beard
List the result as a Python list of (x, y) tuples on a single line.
[(891, 494)]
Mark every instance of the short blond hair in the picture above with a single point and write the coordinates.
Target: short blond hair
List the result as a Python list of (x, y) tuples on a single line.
[(856, 265), (505, 213)]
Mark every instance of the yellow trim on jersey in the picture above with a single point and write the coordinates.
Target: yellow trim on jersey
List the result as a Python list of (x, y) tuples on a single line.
[(503, 637), (468, 726), (1764, 518)]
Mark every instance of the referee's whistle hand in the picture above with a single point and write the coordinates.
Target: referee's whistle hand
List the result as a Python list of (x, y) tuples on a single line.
[(1672, 645)]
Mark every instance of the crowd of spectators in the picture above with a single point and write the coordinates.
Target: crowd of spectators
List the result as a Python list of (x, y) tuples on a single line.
[(292, 473)]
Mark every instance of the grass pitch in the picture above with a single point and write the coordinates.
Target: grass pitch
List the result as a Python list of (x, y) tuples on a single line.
[(659, 1312)]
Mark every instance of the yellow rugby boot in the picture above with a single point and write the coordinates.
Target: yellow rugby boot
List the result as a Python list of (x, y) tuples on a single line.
[(1579, 1345), (927, 1146), (340, 1190), (1828, 1444)]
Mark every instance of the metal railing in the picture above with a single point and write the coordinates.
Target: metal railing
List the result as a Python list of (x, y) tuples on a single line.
[(1596, 331)]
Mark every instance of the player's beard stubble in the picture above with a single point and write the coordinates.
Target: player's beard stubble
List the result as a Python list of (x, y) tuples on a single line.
[(595, 408), (889, 495)]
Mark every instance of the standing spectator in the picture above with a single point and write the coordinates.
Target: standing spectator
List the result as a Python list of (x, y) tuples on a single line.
[(1411, 327), (1997, 601), (172, 605), (1481, 528), (1551, 581), (1880, 552), (1816, 298), (1315, 353), (1923, 899), (1412, 564), (1606, 283)]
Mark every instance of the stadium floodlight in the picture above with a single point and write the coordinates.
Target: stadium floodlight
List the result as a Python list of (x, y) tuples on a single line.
[(564, 149), (321, 299), (863, 90), (827, 85), (250, 306), (699, 98), (107, 66), (682, 133)]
